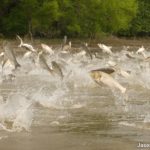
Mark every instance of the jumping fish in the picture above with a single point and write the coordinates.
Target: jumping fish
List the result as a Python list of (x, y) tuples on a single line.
[(99, 76), (47, 49), (106, 70), (25, 45), (43, 63), (56, 68), (9, 55), (85, 46)]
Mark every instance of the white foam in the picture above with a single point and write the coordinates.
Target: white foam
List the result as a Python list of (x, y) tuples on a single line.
[(47, 98), (124, 123), (16, 113)]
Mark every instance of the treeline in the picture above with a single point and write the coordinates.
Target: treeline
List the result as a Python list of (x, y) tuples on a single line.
[(75, 18)]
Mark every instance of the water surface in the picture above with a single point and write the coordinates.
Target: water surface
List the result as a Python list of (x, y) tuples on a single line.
[(40, 111)]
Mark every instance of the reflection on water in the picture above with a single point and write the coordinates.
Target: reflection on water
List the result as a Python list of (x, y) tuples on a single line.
[(39, 111)]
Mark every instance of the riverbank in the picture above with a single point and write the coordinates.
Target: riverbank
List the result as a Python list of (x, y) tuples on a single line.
[(111, 41)]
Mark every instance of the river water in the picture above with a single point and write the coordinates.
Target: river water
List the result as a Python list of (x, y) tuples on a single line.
[(40, 111)]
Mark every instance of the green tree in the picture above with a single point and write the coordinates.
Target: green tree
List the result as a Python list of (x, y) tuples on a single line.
[(53, 18), (19, 19), (116, 14), (46, 18), (141, 24)]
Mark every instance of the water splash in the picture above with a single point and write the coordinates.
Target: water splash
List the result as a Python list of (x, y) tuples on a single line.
[(16, 113)]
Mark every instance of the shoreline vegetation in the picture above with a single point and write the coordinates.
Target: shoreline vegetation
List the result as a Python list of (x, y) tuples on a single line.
[(77, 19)]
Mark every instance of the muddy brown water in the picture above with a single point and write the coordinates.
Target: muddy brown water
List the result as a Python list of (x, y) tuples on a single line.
[(75, 114)]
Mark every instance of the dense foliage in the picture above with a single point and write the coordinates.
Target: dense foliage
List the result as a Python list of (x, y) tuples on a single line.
[(76, 18)]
